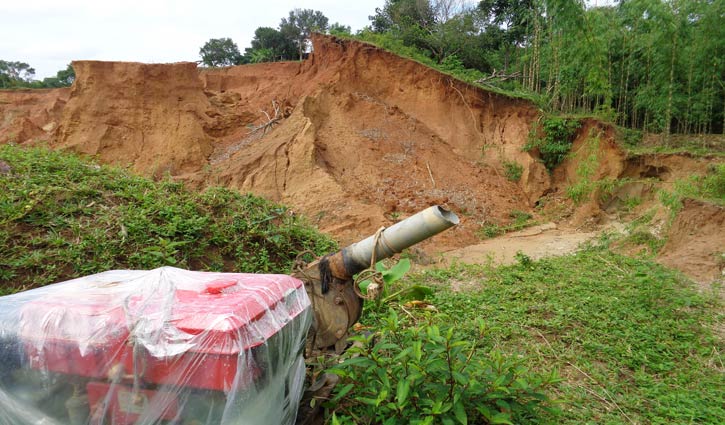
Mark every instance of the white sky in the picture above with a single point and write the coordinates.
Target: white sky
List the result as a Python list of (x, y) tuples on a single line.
[(49, 34)]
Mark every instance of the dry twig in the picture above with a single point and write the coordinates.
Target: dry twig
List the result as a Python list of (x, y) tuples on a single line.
[(271, 121)]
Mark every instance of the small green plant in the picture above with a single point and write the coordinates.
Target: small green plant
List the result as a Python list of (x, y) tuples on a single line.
[(390, 276), (520, 217), (523, 259), (553, 139), (490, 230), (425, 374), (632, 202), (513, 170)]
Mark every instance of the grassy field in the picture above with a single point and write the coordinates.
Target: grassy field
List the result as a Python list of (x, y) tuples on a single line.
[(631, 341)]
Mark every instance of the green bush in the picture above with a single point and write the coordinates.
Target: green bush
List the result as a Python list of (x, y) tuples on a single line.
[(408, 374), (513, 170), (62, 217), (553, 140)]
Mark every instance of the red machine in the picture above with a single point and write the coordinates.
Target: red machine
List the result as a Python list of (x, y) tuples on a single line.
[(169, 346), (163, 346)]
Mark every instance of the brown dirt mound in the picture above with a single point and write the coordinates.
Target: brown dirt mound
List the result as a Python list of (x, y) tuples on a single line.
[(696, 241), (356, 138), (361, 137), (373, 138), (150, 116), (30, 115)]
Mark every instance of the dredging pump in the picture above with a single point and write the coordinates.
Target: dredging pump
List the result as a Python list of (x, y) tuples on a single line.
[(170, 346)]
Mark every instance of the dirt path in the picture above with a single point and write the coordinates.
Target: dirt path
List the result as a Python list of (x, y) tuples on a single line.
[(537, 242)]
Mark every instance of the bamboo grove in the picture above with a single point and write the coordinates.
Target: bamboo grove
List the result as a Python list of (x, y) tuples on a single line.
[(653, 65)]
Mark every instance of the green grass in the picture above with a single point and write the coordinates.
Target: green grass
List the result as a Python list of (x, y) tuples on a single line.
[(631, 340), (62, 216), (709, 187), (706, 146), (467, 75), (521, 220), (513, 170)]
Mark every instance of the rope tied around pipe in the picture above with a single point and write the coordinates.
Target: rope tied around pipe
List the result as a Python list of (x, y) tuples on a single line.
[(377, 283)]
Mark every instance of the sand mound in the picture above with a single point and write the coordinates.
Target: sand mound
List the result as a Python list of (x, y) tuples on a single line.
[(696, 241), (150, 116), (356, 138), (30, 115)]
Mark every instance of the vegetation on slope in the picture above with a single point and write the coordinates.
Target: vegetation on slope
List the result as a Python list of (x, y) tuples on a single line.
[(651, 65), (632, 342), (62, 216)]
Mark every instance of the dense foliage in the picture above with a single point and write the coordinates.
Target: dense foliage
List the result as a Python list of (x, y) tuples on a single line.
[(553, 139), (648, 64), (63, 217), (220, 52), (424, 373), (20, 75), (298, 26)]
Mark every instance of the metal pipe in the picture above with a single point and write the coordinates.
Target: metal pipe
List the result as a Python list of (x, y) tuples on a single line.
[(392, 240)]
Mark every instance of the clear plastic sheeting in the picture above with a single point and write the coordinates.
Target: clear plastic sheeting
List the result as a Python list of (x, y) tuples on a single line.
[(165, 346)]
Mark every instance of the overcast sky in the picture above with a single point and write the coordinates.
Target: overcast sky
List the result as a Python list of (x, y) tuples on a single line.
[(49, 34)]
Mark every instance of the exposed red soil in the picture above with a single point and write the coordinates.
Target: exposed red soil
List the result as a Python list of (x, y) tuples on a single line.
[(361, 138), (27, 115), (696, 241), (150, 116)]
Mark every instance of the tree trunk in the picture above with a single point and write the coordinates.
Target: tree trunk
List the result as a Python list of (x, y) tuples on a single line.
[(668, 111)]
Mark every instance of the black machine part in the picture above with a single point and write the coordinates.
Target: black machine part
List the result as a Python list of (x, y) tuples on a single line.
[(328, 280)]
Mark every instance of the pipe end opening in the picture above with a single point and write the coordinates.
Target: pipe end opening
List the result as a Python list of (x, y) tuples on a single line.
[(447, 215)]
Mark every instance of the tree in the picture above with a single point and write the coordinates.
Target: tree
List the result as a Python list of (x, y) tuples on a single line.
[(63, 78), (15, 74), (270, 44), (340, 29), (300, 24), (220, 52)]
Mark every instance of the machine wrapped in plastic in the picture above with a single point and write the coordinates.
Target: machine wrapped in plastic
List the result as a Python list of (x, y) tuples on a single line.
[(165, 346)]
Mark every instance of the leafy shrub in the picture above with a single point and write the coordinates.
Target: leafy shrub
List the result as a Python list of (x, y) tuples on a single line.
[(62, 217), (408, 374), (513, 170), (553, 140)]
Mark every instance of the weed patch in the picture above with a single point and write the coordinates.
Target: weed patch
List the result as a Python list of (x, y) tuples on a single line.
[(62, 217), (422, 372), (521, 220), (631, 340), (709, 187), (513, 170)]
